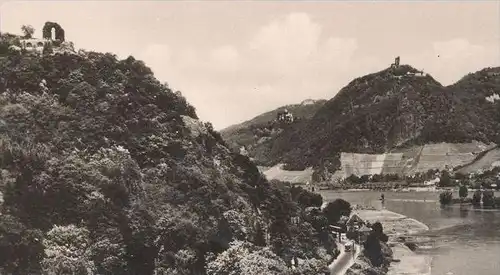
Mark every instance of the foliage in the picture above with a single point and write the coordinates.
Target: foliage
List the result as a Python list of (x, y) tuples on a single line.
[(378, 112), (305, 198), (375, 248), (353, 179), (98, 155), (476, 198), (21, 248), (67, 251), (251, 132), (445, 197), (244, 258), (488, 198), (445, 180), (462, 191), (336, 209), (28, 31)]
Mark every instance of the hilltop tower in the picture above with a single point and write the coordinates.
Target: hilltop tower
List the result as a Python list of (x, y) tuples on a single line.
[(58, 31), (396, 63)]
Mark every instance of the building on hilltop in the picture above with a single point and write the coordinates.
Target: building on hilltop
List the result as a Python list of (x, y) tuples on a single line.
[(396, 63), (284, 116), (53, 36)]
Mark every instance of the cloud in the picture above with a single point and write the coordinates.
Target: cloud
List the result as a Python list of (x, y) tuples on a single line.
[(285, 61), (448, 61), (288, 60)]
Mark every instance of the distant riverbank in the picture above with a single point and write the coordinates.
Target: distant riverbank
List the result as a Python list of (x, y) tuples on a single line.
[(406, 189), (398, 227)]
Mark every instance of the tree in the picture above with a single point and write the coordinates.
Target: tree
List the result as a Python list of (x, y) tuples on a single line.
[(245, 258), (336, 209), (20, 248), (28, 31), (488, 198), (66, 250), (445, 198), (476, 198), (445, 179), (462, 192)]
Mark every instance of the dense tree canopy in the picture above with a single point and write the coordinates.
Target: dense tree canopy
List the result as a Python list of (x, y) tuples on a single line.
[(99, 156)]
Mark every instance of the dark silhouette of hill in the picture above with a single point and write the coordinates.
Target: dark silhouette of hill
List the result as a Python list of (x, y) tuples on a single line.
[(393, 108), (107, 171)]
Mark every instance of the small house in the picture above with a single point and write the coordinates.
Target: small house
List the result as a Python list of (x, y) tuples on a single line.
[(364, 232)]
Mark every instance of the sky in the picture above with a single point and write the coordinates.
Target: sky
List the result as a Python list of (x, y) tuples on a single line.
[(234, 60)]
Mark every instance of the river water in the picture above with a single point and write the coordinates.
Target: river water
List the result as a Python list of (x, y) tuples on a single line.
[(461, 240)]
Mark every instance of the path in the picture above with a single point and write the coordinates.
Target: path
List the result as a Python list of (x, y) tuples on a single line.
[(345, 260)]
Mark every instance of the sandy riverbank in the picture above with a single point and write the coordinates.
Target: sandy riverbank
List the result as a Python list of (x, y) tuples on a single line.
[(397, 225)]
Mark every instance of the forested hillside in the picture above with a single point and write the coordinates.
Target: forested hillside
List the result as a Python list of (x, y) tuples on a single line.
[(265, 127), (393, 108), (104, 170)]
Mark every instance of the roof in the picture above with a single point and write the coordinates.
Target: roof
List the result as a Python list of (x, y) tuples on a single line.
[(355, 218), (365, 228)]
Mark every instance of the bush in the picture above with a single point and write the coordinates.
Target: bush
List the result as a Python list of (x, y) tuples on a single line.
[(353, 179), (462, 191), (445, 180), (445, 198), (476, 198), (488, 198), (306, 198), (336, 209)]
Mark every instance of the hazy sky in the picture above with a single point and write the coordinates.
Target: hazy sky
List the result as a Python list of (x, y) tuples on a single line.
[(234, 60)]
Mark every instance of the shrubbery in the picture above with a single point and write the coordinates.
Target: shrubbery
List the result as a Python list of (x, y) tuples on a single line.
[(488, 198), (445, 197), (476, 198), (336, 209), (462, 191)]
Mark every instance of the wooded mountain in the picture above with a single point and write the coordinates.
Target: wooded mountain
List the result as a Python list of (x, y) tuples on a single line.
[(104, 170), (265, 127), (394, 108)]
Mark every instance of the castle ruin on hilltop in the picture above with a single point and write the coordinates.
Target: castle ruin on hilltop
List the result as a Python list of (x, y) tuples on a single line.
[(53, 37), (395, 65), (399, 71)]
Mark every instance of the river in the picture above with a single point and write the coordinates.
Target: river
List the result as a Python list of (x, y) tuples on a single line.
[(461, 240)]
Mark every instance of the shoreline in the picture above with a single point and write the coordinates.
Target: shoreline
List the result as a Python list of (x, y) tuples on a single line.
[(395, 226)]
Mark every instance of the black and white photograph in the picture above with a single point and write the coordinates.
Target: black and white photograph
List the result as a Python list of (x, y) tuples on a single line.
[(249, 137)]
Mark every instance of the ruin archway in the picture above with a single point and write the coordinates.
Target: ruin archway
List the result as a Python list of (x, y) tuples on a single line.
[(47, 31)]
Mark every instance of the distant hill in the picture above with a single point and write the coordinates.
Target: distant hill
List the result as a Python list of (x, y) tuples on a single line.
[(392, 109), (265, 126)]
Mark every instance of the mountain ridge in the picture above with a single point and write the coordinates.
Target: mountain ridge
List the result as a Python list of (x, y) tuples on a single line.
[(397, 107)]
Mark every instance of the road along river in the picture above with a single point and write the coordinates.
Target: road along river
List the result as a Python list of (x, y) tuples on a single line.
[(460, 240)]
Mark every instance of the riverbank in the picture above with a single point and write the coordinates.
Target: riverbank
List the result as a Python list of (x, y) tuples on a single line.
[(397, 226)]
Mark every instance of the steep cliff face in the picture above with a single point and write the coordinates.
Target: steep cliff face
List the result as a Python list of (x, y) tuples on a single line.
[(98, 156)]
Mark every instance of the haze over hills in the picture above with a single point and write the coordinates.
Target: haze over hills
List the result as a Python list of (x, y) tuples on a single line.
[(394, 109)]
